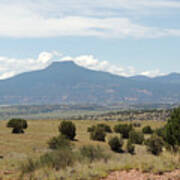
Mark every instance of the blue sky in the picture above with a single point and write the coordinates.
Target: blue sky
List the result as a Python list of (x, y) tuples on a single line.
[(124, 37)]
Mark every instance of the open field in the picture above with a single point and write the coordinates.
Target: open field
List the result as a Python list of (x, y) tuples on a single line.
[(16, 149)]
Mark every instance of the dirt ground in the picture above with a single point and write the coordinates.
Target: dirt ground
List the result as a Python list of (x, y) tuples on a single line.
[(136, 175)]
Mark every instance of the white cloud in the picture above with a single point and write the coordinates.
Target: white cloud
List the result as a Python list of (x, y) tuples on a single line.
[(30, 20), (44, 57), (7, 75), (89, 7), (8, 68), (90, 62), (152, 73), (12, 66)]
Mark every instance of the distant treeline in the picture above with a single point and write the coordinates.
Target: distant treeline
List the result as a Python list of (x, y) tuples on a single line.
[(87, 112)]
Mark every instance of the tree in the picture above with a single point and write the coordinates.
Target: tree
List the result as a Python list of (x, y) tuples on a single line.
[(172, 129), (90, 129), (155, 144), (136, 137), (136, 124), (116, 144), (98, 134), (130, 147), (160, 132), (59, 142), (123, 129), (93, 153), (68, 129), (102, 125), (18, 125), (106, 127), (147, 130)]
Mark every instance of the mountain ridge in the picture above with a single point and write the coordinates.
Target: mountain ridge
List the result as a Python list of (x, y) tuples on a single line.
[(67, 82)]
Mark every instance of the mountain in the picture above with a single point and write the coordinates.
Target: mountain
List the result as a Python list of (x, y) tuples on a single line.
[(66, 82), (140, 78), (173, 78)]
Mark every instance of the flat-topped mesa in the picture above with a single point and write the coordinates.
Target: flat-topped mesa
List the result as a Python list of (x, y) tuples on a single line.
[(60, 64)]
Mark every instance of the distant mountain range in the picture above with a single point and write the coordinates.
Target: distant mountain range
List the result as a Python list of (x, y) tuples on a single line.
[(68, 83), (173, 78)]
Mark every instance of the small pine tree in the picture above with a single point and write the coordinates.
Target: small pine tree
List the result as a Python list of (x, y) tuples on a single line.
[(91, 129), (98, 134), (116, 144), (147, 130), (123, 129), (136, 124), (59, 142), (160, 132), (68, 129), (172, 129), (106, 127), (18, 125), (155, 144), (130, 147), (136, 137), (93, 153)]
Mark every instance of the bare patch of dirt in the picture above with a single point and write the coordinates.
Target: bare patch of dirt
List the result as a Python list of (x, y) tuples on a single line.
[(137, 175)]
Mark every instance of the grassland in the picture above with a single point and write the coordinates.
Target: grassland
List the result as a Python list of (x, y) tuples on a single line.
[(16, 149)]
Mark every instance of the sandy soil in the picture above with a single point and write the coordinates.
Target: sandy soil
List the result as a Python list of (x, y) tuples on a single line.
[(136, 175)]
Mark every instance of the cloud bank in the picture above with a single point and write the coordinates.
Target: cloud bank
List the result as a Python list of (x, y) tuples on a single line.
[(13, 66), (10, 67), (34, 19)]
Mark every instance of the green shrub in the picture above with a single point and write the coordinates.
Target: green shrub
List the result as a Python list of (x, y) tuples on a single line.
[(116, 144), (137, 124), (130, 148), (172, 129), (92, 128), (170, 133), (59, 142), (68, 129), (98, 134), (18, 125), (160, 132), (154, 144), (106, 127), (102, 125), (136, 137), (29, 166), (147, 130), (93, 153), (123, 129), (59, 159)]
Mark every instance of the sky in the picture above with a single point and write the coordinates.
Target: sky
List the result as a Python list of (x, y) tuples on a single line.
[(123, 37)]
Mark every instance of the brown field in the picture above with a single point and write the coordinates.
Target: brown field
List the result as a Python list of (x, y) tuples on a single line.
[(16, 149)]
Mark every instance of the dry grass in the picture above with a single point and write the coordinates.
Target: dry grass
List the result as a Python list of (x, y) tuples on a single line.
[(17, 148)]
